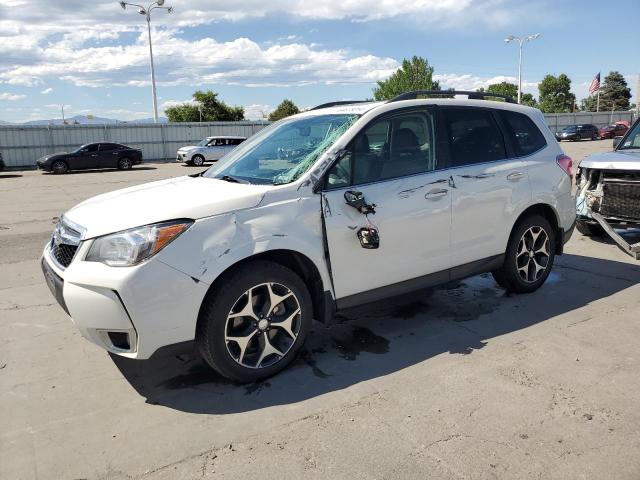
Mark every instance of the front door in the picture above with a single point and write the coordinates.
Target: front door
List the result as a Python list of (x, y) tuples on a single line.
[(87, 158), (108, 155), (490, 187), (393, 163)]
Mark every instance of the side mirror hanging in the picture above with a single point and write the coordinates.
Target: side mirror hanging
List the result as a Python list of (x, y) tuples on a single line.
[(369, 238), (356, 200)]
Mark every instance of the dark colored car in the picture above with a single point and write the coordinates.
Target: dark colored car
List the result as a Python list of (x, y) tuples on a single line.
[(612, 131), (90, 156), (578, 132), (1, 163)]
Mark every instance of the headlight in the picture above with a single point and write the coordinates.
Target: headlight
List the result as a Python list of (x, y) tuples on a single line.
[(131, 247)]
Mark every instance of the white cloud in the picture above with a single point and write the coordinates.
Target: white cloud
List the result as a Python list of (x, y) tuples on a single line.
[(257, 111), (11, 96), (473, 82), (46, 91)]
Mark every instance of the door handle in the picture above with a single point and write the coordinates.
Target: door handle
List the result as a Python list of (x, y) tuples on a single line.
[(515, 176), (478, 177), (94, 154), (436, 193)]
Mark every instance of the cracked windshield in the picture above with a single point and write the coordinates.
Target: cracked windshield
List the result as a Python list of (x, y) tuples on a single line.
[(283, 152)]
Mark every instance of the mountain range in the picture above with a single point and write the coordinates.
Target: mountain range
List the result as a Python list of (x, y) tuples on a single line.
[(84, 120)]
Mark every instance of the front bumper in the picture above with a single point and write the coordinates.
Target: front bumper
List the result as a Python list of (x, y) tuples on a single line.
[(130, 311)]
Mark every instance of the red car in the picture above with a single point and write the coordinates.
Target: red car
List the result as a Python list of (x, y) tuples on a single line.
[(611, 131)]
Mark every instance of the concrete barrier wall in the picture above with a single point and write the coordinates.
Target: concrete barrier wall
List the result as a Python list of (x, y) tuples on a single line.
[(22, 145)]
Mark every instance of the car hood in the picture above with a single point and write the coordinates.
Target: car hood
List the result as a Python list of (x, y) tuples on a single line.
[(182, 197), (618, 160), (187, 148)]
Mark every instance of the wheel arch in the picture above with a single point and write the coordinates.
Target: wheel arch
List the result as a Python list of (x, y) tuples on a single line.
[(303, 266), (548, 212)]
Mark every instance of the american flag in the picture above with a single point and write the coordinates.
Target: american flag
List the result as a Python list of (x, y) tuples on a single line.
[(595, 85)]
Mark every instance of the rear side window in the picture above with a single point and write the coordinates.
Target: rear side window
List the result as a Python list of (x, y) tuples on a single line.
[(473, 136), (525, 135)]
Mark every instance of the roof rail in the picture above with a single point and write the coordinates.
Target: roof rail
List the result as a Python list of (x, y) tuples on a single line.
[(470, 95), (335, 104)]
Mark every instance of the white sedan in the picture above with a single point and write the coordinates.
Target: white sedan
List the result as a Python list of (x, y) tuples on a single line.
[(209, 149)]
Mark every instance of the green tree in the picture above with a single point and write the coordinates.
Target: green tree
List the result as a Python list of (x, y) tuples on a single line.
[(285, 109), (213, 110), (415, 74), (555, 94), (511, 90), (614, 95)]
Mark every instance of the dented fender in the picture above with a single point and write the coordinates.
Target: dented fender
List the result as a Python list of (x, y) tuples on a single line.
[(278, 223)]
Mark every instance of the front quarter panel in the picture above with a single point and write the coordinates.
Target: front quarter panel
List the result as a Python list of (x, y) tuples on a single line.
[(214, 244)]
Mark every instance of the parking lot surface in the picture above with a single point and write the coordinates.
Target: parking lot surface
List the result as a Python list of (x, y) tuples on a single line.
[(461, 382)]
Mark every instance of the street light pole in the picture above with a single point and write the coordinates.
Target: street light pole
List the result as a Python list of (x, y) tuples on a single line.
[(147, 13), (521, 42)]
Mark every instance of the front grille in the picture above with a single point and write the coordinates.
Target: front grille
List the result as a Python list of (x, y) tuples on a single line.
[(63, 253), (621, 199), (65, 242)]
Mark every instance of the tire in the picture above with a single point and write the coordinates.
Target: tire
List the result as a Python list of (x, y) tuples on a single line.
[(59, 167), (125, 164), (529, 258), (197, 160), (589, 229), (222, 321)]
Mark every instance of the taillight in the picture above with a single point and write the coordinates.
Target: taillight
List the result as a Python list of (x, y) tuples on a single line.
[(565, 163)]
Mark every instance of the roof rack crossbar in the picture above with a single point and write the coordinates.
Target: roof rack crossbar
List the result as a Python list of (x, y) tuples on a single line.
[(470, 95), (342, 102)]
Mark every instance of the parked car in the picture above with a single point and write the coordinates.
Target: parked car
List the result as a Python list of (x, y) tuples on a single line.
[(91, 156), (612, 131), (578, 132), (208, 150), (608, 195), (372, 200), (2, 166)]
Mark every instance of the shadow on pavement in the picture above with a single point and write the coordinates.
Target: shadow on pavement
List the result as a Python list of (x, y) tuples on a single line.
[(98, 170), (381, 338), (10, 175)]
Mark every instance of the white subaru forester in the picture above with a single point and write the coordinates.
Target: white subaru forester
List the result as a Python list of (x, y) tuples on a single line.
[(332, 208)]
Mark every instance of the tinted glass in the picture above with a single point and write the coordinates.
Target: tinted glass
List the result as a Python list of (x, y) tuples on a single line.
[(108, 146), (92, 147), (526, 136), (632, 141), (395, 147), (473, 135)]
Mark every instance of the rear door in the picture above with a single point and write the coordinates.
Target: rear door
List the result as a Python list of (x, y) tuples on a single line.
[(393, 163), (491, 186)]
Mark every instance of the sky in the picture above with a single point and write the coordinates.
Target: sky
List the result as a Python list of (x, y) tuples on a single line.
[(92, 56)]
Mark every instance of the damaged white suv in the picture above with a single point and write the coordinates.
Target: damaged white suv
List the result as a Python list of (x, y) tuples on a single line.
[(335, 207)]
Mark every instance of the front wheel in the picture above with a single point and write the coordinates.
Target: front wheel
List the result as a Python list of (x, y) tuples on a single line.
[(255, 323), (529, 257), (198, 160), (589, 229), (59, 167)]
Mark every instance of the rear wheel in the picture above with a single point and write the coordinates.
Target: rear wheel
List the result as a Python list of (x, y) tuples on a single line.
[(58, 167), (589, 229), (125, 164), (253, 326), (197, 160), (529, 257)]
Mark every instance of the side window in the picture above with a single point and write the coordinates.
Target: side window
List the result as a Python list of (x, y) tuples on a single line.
[(394, 147), (473, 136), (526, 136), (91, 148), (107, 147)]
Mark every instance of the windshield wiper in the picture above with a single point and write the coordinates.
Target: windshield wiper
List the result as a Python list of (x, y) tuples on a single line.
[(229, 178)]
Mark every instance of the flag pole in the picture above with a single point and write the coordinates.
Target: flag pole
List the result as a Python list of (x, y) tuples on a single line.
[(598, 102)]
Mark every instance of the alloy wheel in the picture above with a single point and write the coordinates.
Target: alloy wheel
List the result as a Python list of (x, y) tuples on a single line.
[(263, 325), (532, 258)]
